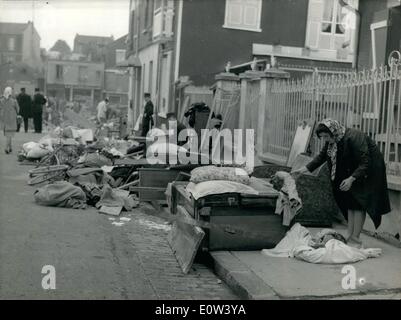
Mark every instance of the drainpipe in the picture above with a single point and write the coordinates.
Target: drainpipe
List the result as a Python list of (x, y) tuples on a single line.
[(344, 4)]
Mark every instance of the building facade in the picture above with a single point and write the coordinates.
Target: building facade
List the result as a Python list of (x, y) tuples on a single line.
[(116, 79), (185, 44), (21, 63), (80, 81), (92, 47), (20, 42), (150, 55)]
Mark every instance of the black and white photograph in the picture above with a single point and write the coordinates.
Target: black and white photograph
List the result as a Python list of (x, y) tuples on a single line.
[(200, 154)]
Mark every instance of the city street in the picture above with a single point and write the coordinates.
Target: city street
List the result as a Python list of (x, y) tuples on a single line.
[(93, 258)]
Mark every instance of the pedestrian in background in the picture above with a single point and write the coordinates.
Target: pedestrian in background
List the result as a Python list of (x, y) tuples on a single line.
[(25, 104), (147, 120), (37, 110), (102, 111), (9, 110)]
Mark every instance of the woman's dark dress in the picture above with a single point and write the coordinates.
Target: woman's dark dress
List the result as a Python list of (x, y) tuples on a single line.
[(359, 156)]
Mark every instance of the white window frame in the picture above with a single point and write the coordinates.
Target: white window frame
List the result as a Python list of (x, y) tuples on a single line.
[(242, 26), (120, 52), (333, 35)]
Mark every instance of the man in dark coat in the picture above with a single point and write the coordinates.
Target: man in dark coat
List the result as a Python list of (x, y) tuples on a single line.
[(147, 121), (358, 175), (25, 108), (38, 102)]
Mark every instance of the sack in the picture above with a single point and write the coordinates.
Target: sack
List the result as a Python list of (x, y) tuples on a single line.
[(29, 146), (61, 194), (208, 173), (37, 152)]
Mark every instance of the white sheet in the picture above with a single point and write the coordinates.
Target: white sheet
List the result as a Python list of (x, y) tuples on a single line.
[(297, 243)]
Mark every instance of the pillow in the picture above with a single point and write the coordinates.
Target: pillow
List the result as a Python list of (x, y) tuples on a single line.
[(208, 173), (206, 188)]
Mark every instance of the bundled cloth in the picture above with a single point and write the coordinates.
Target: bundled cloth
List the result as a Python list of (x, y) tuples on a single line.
[(95, 160), (288, 202), (61, 194), (89, 175), (327, 247), (115, 198)]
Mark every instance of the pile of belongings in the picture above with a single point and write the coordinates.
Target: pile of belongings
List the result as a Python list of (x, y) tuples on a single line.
[(288, 203), (85, 186), (89, 182), (208, 180), (328, 246)]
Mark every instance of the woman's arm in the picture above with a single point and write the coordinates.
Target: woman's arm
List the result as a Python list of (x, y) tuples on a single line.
[(16, 107), (360, 151), (318, 160)]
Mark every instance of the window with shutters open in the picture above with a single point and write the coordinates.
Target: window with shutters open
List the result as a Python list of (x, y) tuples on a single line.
[(243, 15), (331, 26)]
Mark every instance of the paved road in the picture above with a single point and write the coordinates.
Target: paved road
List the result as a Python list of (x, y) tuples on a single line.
[(93, 259)]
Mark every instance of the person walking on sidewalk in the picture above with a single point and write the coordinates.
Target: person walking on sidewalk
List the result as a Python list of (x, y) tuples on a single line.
[(102, 111), (147, 121), (9, 110), (38, 102), (25, 103), (357, 172)]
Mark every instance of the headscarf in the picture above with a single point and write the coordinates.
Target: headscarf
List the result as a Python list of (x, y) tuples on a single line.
[(7, 92), (338, 131)]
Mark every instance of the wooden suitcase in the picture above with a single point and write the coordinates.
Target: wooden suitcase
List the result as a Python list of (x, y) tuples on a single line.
[(237, 222)]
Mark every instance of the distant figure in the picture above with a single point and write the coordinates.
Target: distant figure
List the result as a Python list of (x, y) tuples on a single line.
[(147, 121), (9, 110), (102, 111), (171, 117), (38, 102), (25, 111)]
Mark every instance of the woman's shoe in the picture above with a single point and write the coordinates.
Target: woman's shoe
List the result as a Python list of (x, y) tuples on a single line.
[(6, 151)]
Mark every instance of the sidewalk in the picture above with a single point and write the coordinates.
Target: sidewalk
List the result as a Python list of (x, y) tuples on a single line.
[(258, 277)]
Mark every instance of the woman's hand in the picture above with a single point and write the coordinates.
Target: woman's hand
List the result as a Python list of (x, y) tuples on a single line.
[(298, 172), (347, 184)]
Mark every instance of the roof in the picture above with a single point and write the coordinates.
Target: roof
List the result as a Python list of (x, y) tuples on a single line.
[(12, 28), (91, 39)]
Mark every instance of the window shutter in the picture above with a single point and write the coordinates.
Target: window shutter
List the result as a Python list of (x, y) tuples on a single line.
[(251, 13), (234, 13), (315, 13)]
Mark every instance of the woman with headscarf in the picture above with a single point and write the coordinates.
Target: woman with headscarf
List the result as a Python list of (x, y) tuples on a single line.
[(9, 110), (357, 173)]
